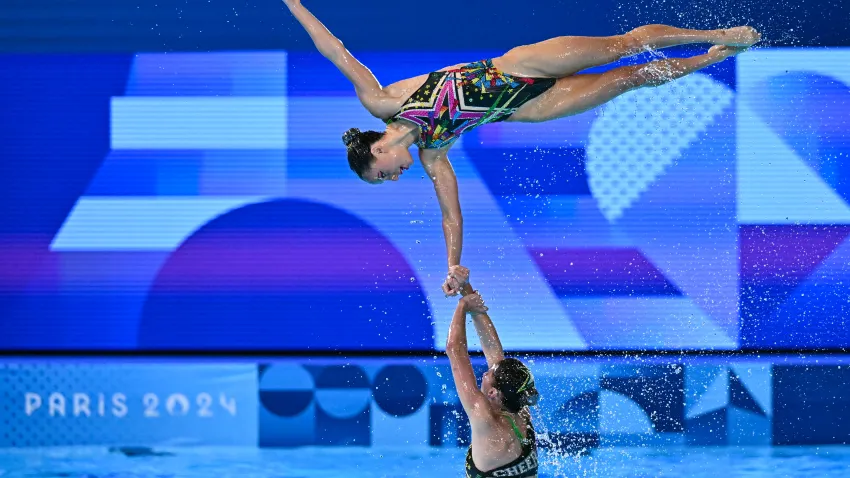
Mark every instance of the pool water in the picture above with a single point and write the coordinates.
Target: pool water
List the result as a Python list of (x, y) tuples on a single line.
[(725, 462)]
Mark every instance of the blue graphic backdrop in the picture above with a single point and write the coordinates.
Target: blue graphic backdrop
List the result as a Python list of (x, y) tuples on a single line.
[(202, 200), (412, 403)]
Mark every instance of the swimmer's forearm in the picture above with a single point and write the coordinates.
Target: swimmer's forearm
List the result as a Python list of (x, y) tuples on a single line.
[(440, 171), (489, 338), (453, 232), (327, 44), (456, 341)]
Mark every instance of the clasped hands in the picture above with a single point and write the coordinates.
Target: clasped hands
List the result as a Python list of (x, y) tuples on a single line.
[(456, 279)]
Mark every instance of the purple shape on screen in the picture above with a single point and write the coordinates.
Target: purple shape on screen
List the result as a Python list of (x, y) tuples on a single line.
[(286, 260), (601, 272), (780, 267), (287, 274), (786, 255)]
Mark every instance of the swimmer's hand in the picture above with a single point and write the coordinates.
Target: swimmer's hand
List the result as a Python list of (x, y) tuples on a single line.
[(292, 3), (451, 287), (474, 304), (457, 277)]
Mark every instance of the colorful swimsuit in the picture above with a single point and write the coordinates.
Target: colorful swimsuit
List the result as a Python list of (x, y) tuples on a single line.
[(453, 102)]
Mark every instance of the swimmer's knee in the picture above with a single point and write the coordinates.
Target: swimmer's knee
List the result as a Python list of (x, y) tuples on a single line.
[(629, 43), (651, 74), (636, 77)]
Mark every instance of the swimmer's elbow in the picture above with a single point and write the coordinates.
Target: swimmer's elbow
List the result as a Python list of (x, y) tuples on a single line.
[(455, 349), (452, 219), (333, 49), (452, 215)]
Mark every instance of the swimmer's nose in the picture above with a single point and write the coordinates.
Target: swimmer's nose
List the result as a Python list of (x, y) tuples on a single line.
[(394, 178)]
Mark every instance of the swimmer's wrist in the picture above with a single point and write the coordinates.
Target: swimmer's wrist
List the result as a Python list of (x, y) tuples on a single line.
[(464, 302)]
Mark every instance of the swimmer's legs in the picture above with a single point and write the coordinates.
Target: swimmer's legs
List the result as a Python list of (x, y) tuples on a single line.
[(579, 93), (564, 56)]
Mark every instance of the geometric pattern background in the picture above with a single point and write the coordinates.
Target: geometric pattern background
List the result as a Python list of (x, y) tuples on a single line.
[(728, 405), (411, 403), (584, 404), (205, 204), (793, 167)]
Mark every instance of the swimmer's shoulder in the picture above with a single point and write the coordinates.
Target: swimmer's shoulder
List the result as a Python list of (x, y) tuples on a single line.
[(402, 90)]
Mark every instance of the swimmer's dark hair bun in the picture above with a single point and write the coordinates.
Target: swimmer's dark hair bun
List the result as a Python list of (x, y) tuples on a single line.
[(350, 135)]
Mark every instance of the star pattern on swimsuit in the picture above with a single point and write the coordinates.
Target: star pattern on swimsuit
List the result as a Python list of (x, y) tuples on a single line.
[(445, 107), (443, 120)]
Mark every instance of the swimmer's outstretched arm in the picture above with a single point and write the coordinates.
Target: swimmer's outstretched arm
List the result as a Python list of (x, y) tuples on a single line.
[(490, 343), (439, 169), (368, 89), (474, 402)]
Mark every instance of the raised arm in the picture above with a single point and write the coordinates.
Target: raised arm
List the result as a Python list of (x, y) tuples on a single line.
[(439, 169), (490, 343), (368, 89), (473, 400)]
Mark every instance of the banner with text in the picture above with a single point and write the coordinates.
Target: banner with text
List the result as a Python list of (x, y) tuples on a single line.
[(128, 404)]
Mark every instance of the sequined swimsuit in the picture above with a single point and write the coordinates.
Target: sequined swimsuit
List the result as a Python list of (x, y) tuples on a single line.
[(453, 102)]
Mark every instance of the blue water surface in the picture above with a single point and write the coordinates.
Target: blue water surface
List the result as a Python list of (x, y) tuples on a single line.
[(352, 462)]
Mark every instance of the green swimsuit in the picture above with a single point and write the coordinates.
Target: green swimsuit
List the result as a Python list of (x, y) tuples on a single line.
[(523, 467)]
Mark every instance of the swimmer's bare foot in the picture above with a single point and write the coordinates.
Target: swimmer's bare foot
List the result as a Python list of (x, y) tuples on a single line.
[(738, 37), (723, 51)]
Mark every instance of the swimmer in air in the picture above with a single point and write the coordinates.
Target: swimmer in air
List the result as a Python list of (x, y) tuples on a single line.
[(529, 83), (503, 440)]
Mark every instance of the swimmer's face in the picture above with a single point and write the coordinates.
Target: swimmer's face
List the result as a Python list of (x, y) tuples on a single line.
[(391, 161)]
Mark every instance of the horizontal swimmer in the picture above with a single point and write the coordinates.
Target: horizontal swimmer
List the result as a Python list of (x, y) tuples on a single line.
[(530, 83)]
